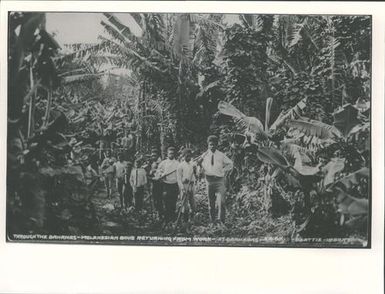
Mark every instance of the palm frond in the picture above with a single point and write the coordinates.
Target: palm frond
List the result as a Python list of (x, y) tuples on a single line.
[(155, 30), (309, 34), (134, 46), (122, 38), (108, 59), (207, 21), (205, 45), (301, 31), (289, 30), (295, 34), (82, 52), (258, 23), (247, 20), (133, 57), (113, 32)]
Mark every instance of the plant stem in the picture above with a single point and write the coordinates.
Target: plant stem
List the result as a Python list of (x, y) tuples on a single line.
[(32, 101), (49, 103)]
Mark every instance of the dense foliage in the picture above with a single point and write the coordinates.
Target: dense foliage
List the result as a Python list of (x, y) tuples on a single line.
[(293, 94)]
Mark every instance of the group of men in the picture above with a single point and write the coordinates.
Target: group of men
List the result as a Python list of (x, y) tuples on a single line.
[(170, 180)]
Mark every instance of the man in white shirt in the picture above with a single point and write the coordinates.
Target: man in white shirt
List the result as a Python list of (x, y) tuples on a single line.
[(138, 179), (107, 169), (186, 180), (119, 170), (215, 164), (156, 185), (167, 174)]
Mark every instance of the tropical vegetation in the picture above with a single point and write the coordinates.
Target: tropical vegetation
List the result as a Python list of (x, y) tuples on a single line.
[(288, 95)]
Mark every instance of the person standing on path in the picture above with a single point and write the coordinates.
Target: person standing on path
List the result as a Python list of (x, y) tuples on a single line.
[(119, 169), (108, 172), (138, 180), (186, 182), (167, 174), (127, 188), (156, 184), (215, 164)]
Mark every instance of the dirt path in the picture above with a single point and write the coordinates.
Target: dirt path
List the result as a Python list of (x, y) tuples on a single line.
[(115, 221), (240, 223)]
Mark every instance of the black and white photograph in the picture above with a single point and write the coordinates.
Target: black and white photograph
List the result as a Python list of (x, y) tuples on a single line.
[(189, 129)]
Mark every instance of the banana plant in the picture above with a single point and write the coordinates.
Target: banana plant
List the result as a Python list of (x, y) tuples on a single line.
[(253, 125), (315, 181), (254, 130)]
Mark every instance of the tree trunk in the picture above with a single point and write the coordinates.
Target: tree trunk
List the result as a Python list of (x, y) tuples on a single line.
[(179, 106), (139, 115), (49, 103), (162, 135), (32, 102)]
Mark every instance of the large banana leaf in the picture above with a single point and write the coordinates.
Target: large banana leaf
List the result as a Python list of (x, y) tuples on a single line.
[(314, 128), (230, 110), (291, 147), (352, 179), (181, 37), (348, 204), (345, 119), (125, 23), (272, 156), (292, 113), (311, 143), (252, 124), (365, 127), (305, 170), (331, 169)]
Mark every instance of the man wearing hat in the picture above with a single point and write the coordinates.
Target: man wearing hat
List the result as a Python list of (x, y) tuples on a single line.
[(215, 164)]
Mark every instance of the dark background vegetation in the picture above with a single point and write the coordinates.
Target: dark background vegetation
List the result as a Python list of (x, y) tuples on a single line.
[(299, 134)]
